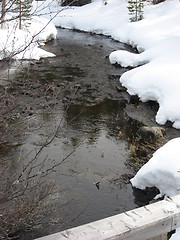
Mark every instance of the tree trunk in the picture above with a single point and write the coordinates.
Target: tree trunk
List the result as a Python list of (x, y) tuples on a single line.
[(3, 13), (20, 14)]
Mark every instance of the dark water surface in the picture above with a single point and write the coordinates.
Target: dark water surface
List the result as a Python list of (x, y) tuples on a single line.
[(93, 182)]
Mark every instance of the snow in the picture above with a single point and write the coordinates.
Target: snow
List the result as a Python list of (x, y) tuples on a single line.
[(23, 44), (162, 170), (156, 66), (42, 29), (176, 236)]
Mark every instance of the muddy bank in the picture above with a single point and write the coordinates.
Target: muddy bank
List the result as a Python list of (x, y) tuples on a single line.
[(79, 92)]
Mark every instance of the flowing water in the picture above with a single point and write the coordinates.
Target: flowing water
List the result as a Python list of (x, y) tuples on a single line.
[(78, 90)]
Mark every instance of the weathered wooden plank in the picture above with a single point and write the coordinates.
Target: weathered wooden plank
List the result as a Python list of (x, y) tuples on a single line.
[(138, 224)]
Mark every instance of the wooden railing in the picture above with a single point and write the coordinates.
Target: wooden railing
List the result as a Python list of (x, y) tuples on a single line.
[(139, 224)]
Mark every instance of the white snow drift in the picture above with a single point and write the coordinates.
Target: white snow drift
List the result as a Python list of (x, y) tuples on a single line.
[(23, 44), (162, 170)]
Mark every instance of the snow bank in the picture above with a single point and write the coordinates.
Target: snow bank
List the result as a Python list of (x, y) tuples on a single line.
[(43, 29), (94, 17), (162, 170), (127, 59), (157, 80), (23, 44)]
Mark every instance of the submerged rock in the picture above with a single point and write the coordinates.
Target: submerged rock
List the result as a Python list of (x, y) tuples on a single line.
[(151, 134)]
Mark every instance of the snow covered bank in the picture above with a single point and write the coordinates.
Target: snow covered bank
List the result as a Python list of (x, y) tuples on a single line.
[(158, 79), (162, 170), (23, 44)]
